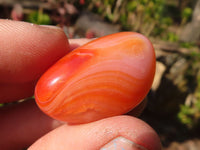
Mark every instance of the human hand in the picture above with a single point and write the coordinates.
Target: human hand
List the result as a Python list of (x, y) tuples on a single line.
[(26, 51)]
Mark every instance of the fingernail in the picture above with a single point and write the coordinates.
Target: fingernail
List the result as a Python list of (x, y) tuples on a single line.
[(51, 27), (121, 143)]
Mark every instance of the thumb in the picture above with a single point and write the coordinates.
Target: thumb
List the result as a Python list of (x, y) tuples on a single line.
[(120, 132)]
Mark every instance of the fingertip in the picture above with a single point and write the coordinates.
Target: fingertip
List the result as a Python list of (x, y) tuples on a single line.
[(98, 134), (28, 50)]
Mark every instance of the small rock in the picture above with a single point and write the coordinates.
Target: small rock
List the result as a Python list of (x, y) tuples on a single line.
[(177, 74), (191, 32), (160, 69), (187, 145), (89, 22)]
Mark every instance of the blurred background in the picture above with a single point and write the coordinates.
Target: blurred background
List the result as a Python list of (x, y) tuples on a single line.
[(173, 26)]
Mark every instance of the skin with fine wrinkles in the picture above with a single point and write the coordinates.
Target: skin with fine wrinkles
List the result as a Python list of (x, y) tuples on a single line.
[(26, 52), (105, 77)]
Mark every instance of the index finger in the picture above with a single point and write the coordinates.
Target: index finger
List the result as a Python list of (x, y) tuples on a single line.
[(26, 51)]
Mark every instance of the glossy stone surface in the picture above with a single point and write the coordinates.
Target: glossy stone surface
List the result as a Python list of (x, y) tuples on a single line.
[(106, 77)]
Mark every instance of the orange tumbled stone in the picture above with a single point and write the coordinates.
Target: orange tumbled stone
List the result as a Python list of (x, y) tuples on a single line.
[(106, 77)]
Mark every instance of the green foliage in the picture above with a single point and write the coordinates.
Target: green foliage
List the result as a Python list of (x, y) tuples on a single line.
[(189, 113), (108, 2), (1, 105), (145, 16), (132, 5), (149, 17), (185, 115), (167, 21), (171, 37), (187, 45), (38, 17), (186, 13)]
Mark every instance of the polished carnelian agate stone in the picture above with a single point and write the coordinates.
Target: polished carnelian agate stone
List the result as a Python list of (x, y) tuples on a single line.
[(106, 77)]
